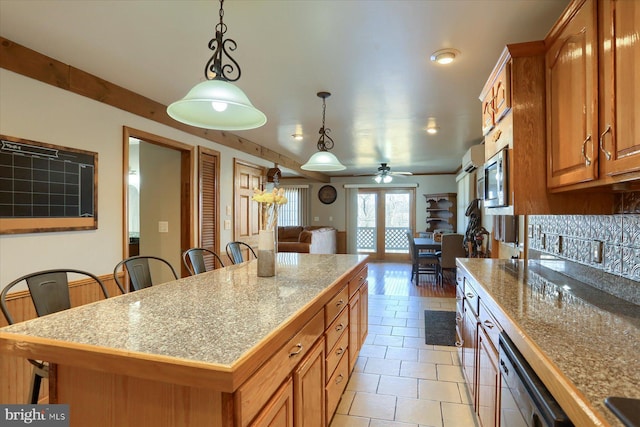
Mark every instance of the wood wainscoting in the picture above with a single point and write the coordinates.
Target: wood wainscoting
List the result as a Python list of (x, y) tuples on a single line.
[(15, 372)]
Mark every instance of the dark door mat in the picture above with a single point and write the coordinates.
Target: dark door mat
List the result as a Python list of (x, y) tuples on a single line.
[(440, 327)]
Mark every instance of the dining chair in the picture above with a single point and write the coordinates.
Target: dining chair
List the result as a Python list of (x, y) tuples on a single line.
[(421, 262), (49, 291), (194, 260), (139, 271), (235, 251), (452, 248)]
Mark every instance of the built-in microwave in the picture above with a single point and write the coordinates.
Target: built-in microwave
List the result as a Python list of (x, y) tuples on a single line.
[(496, 180)]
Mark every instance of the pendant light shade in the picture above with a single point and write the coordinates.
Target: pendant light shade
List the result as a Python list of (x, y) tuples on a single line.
[(323, 160), (217, 104)]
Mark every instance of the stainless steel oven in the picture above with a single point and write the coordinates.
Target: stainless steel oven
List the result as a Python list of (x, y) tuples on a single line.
[(496, 180), (524, 400)]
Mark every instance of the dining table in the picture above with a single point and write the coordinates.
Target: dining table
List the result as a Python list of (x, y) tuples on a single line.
[(427, 243)]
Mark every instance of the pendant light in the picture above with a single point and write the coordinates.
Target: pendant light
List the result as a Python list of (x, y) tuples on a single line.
[(216, 103), (323, 160)]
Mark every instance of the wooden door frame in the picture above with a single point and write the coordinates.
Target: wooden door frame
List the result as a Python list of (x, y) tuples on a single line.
[(236, 200), (186, 192)]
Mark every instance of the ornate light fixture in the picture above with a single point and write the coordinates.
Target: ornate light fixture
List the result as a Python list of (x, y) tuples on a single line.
[(323, 160), (216, 103)]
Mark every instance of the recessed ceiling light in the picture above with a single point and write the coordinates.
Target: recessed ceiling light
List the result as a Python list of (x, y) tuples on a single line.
[(297, 136), (432, 130), (445, 56)]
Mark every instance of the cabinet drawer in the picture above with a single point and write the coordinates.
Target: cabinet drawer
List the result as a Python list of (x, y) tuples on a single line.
[(490, 325), (357, 280), (257, 390), (471, 296), (500, 137), (335, 306), (335, 353), (336, 386), (337, 328)]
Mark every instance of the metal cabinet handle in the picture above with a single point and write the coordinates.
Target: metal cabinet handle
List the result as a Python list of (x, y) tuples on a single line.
[(297, 349), (606, 153), (339, 351), (339, 303), (459, 343), (470, 295), (587, 160), (489, 324), (339, 327), (339, 379)]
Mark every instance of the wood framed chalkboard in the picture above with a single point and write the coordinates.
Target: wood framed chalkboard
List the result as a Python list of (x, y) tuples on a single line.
[(45, 187)]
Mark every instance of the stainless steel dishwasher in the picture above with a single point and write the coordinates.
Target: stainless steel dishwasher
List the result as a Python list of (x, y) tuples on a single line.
[(524, 400)]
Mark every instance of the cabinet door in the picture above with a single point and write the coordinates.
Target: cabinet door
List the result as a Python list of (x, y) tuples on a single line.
[(469, 343), (354, 330), (620, 105), (488, 381), (363, 314), (279, 411), (308, 388), (572, 126)]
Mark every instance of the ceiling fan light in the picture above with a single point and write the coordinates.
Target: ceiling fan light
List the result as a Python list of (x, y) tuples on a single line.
[(217, 104), (387, 179), (323, 161), (378, 179)]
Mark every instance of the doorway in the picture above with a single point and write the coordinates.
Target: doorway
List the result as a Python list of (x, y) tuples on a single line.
[(383, 217), (158, 200)]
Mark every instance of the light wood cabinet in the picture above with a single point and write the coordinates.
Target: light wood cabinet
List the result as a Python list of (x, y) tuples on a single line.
[(593, 135), (279, 411), (308, 389), (358, 315), (488, 381), (441, 211), (354, 330)]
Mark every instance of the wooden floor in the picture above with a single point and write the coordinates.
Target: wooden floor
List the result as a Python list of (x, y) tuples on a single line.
[(392, 278)]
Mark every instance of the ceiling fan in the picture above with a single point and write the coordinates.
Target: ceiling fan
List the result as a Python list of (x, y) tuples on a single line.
[(384, 174)]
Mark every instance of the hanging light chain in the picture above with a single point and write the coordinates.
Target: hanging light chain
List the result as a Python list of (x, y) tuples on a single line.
[(214, 70), (322, 144)]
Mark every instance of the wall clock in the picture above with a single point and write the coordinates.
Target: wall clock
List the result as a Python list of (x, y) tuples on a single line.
[(327, 194)]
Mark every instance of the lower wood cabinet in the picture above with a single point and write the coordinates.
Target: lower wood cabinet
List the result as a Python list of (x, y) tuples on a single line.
[(308, 389), (279, 411), (488, 381), (354, 330)]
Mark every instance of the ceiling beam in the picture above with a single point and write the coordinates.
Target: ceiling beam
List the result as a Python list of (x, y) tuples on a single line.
[(32, 64)]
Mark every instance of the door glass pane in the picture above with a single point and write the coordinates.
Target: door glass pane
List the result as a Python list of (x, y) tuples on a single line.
[(397, 221), (367, 216)]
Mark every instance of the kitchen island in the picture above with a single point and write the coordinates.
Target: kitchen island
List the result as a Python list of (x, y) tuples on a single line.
[(222, 348), (583, 343)]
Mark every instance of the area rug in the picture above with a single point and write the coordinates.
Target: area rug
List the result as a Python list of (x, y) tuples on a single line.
[(440, 327)]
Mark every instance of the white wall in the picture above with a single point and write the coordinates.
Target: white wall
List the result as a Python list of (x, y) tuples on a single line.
[(33, 110)]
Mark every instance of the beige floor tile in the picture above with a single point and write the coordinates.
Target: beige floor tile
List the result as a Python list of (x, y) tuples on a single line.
[(464, 393), (439, 390), (416, 342), (361, 362), (449, 348), (345, 402), (373, 406), (455, 359), (402, 353), (405, 332), (370, 338), (393, 321), (385, 423), (389, 340), (349, 421), (418, 370), (433, 356), (360, 381), (415, 323), (375, 320), (423, 412), (458, 415), (380, 329), (409, 314), (378, 351), (398, 386), (382, 366), (450, 373)]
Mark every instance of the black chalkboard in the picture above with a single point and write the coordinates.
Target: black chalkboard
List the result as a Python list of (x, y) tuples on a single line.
[(46, 182)]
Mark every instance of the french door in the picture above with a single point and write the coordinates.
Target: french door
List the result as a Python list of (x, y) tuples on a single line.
[(384, 215)]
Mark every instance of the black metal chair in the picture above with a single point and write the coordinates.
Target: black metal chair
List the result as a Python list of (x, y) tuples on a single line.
[(421, 262), (139, 271), (194, 260), (49, 290), (452, 248), (235, 251)]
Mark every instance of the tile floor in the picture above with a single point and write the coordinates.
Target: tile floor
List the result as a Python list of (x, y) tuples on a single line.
[(399, 381)]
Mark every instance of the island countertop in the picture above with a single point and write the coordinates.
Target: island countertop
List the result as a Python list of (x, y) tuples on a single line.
[(582, 342), (212, 322)]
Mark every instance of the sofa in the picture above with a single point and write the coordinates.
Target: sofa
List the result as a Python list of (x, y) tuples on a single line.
[(309, 239)]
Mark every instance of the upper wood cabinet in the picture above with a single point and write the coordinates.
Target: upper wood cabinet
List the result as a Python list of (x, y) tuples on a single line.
[(592, 95), (496, 100)]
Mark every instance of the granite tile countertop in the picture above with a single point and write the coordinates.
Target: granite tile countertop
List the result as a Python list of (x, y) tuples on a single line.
[(214, 317), (591, 338)]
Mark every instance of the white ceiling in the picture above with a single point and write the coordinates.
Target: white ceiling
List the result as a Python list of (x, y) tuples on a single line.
[(372, 55)]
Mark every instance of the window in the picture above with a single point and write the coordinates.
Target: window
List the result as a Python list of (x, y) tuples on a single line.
[(296, 211)]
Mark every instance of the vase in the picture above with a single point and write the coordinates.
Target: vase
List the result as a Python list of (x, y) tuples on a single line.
[(267, 253)]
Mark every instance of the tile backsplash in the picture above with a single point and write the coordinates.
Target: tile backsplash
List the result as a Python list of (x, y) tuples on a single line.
[(603, 249)]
